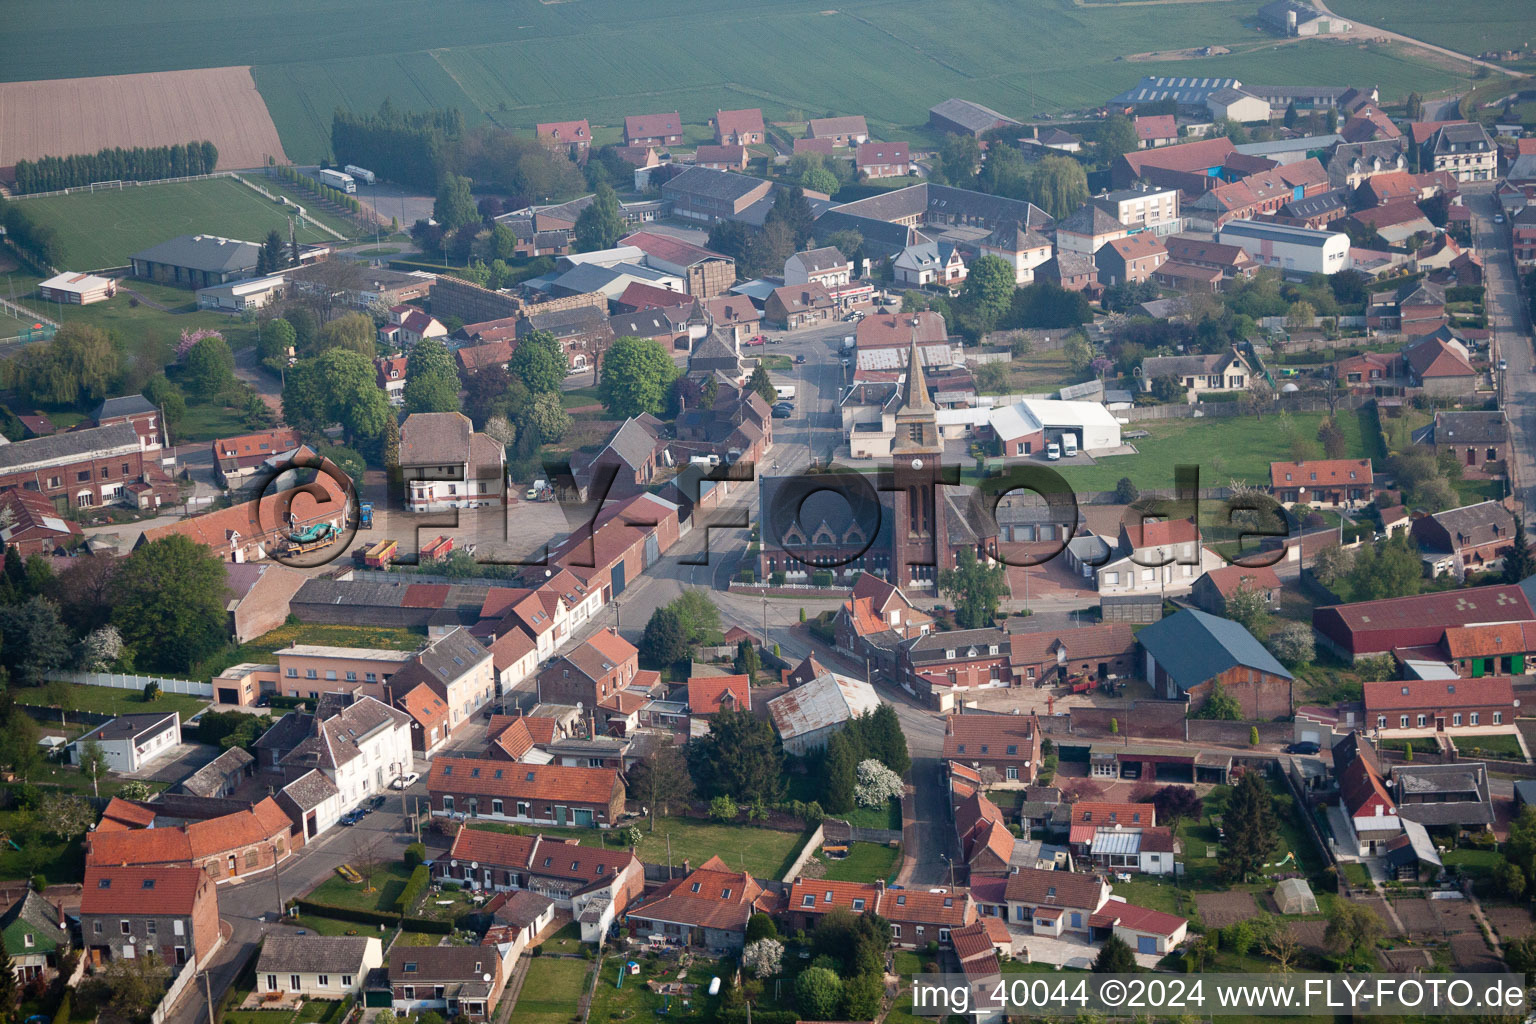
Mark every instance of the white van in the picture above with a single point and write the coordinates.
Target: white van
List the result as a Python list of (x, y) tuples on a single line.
[(784, 392), (1069, 445), (1052, 452)]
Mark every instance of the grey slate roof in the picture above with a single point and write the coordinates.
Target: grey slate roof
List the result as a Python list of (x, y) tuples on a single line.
[(311, 954), (1193, 647), (971, 115), (633, 442), (203, 252), (43, 917), (126, 726), (310, 790), (124, 405), (1476, 428), (70, 444), (703, 181), (209, 779), (1316, 206), (826, 257)]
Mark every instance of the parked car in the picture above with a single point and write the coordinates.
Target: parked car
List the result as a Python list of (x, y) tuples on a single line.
[(1053, 452), (1498, 218), (1503, 364), (405, 781), (781, 412), (350, 818), (757, 339), (376, 802), (800, 358), (1304, 747), (775, 341)]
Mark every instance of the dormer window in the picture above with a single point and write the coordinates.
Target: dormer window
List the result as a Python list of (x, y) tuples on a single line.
[(695, 887), (725, 894)]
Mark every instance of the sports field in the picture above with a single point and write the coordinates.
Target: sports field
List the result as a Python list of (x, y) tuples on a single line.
[(102, 229), (521, 61)]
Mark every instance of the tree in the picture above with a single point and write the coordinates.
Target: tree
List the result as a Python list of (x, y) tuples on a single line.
[(877, 784), (723, 808), (1078, 352), (136, 983), (1353, 929), (760, 926), (862, 996), (209, 368), (839, 774), (1300, 316), (1175, 803), (987, 293), (818, 994), (539, 362), (1246, 607), (747, 662), (1253, 736), (352, 331), (337, 386), (637, 377), (93, 764), (819, 179), (1332, 563), (884, 739), (1257, 398), (1520, 955), (77, 366), (791, 213), (455, 205), (763, 957), (431, 383), (1389, 569), (548, 418), (762, 384), (1292, 643), (1251, 828), (1281, 946), (739, 757), (700, 617), (503, 242), (1115, 957), (166, 397), (1117, 136), (1125, 491), (100, 648), (976, 588), (661, 780), (663, 643), (958, 158), (66, 816), (33, 640), (601, 224), (1414, 107), (1519, 562), (1332, 439), (170, 596)]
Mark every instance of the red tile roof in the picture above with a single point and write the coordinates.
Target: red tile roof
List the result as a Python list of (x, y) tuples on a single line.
[(612, 646), (312, 502), (423, 705), (711, 896), (1361, 790), (1104, 813), (1156, 126), (481, 777), (564, 131), (729, 154), (1040, 887), (141, 890), (125, 813), (1393, 695), (1189, 156), (652, 126), (641, 296), (510, 647), (1137, 919), (1321, 473), (1104, 638), (1150, 532), (1484, 641), (973, 737), (739, 122), (706, 693), (874, 154), (1230, 579)]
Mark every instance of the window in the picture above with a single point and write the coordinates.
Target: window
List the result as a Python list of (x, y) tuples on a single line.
[(293, 982), (179, 926), (324, 980), (1148, 575), (943, 934), (1012, 773), (309, 673), (1498, 718), (252, 858), (496, 807), (124, 927), (28, 940), (858, 907), (1419, 721), (895, 931), (694, 887), (808, 900), (1472, 717), (293, 673), (96, 927), (1111, 579), (919, 930), (83, 475), (1402, 722), (1456, 718), (152, 927), (346, 981), (448, 803)]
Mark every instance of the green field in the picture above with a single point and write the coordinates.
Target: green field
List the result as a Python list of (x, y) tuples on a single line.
[(102, 229), (109, 700), (520, 61), (764, 852), (1463, 26), (1237, 446)]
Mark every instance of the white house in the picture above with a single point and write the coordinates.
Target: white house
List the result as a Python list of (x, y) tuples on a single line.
[(316, 966), (826, 266), (238, 296), (360, 746), (313, 799), (447, 464), (937, 263), (1025, 427), (132, 741)]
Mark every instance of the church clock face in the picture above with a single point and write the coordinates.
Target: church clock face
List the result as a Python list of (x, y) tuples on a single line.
[(917, 463)]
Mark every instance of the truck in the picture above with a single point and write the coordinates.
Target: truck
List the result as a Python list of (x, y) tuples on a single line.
[(312, 538), (337, 180), (784, 392), (379, 555), (1069, 444), (362, 174)]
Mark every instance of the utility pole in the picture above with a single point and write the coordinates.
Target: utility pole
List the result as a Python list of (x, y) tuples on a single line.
[(277, 881), (669, 856), (208, 995)]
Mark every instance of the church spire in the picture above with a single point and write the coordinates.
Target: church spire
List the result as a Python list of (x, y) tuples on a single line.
[(917, 384)]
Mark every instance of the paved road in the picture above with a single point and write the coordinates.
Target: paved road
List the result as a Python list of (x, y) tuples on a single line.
[(1511, 339), (250, 907), (1361, 29)]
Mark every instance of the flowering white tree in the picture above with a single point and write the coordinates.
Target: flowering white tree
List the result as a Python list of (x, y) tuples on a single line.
[(876, 785), (764, 957), (100, 648)]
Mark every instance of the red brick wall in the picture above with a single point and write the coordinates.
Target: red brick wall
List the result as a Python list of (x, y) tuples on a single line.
[(205, 920), (1258, 694)]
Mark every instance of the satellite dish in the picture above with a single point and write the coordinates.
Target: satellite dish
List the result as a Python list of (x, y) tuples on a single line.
[(485, 977), (453, 863), (474, 864), (132, 939)]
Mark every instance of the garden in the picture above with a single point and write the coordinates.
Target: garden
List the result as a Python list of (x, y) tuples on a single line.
[(865, 862)]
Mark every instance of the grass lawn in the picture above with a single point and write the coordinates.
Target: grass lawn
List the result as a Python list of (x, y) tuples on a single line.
[(579, 397), (313, 1011), (1143, 891), (776, 362), (1231, 447), (418, 939), (566, 940), (553, 988), (320, 925), (1355, 873), (314, 208), (260, 649), (1503, 745), (887, 815), (636, 1002), (1472, 862), (109, 700), (102, 229), (1473, 490), (1039, 371), (866, 862), (388, 883), (763, 851), (59, 862)]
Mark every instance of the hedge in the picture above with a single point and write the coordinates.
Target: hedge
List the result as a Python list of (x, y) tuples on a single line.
[(422, 924), (349, 913), (415, 854), (417, 885), (286, 703)]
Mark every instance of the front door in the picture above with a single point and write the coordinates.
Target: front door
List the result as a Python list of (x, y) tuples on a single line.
[(559, 815), (231, 865), (582, 817)]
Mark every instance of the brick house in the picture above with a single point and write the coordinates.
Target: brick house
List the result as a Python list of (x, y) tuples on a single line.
[(1332, 483), (448, 979), (702, 194), (630, 453), (78, 468), (1496, 649), (127, 910), (708, 907), (653, 129), (883, 160), (940, 662), (1468, 539), (1438, 705), (721, 158), (36, 528), (1478, 440), (1211, 591), (1522, 227), (1133, 258), (1051, 902), (1006, 744), (1074, 271), (590, 673), (574, 137), (238, 460), (795, 306), (526, 793), (1415, 309), (740, 127), (709, 694), (1154, 130), (917, 917), (842, 131), (1372, 369), (1190, 652), (1368, 628), (447, 464), (1441, 365), (1047, 658), (1232, 260)]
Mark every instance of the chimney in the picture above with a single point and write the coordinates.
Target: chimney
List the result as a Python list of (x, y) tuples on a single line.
[(58, 908)]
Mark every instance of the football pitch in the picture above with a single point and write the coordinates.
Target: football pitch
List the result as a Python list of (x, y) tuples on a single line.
[(103, 228)]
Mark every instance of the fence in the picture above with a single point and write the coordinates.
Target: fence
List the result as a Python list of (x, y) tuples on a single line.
[(812, 844), (179, 985), (128, 682), (1216, 410), (297, 209), (23, 313), (107, 186)]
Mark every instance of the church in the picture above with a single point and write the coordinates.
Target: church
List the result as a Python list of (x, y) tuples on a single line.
[(901, 525)]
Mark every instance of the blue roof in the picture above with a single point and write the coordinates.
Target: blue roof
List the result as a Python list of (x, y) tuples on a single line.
[(1193, 646)]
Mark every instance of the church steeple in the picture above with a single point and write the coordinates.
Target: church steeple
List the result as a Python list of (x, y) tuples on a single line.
[(917, 424), (917, 385)]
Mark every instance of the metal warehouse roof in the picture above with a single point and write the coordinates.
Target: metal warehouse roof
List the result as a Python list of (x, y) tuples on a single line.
[(824, 701)]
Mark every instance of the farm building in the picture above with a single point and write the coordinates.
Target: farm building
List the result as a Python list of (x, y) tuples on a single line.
[(808, 715), (1190, 653), (1368, 628), (962, 117), (73, 289), (196, 261)]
